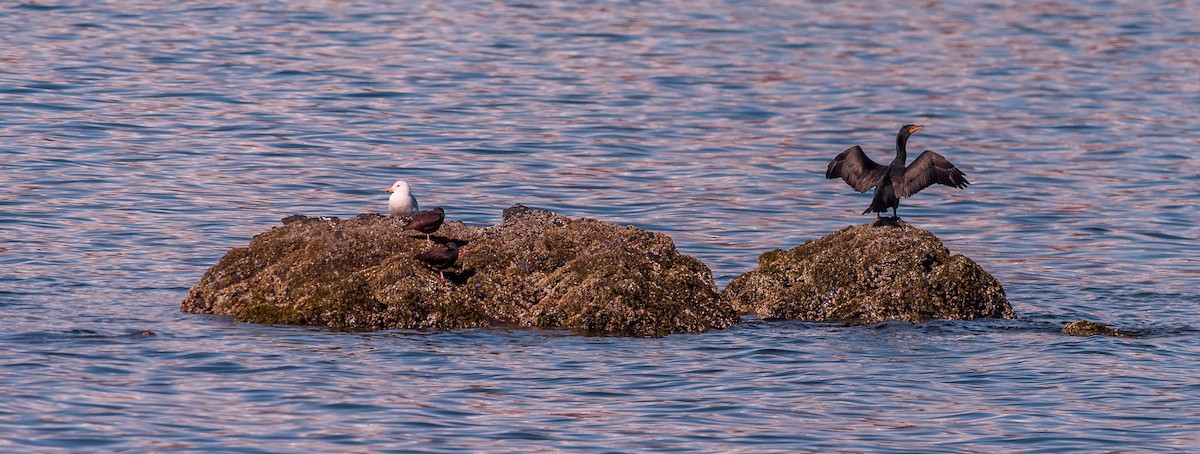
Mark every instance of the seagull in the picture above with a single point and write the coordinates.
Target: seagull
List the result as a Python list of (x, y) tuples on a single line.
[(402, 202)]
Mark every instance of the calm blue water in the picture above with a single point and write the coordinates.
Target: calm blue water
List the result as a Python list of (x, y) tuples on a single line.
[(141, 140)]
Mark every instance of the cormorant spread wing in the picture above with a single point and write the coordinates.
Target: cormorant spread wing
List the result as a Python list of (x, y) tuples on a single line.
[(859, 171), (927, 169)]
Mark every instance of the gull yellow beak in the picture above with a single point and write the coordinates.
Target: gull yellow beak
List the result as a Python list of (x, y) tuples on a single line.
[(388, 189)]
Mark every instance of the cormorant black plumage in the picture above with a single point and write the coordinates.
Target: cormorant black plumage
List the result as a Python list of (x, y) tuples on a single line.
[(891, 182)]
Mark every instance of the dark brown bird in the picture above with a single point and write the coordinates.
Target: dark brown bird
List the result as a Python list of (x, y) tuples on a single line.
[(427, 222), (891, 182), (440, 257)]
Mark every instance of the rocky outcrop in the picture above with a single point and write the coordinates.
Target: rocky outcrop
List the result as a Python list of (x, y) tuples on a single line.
[(887, 270), (534, 269)]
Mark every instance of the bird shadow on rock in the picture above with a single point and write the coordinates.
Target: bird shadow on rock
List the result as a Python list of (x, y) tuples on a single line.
[(887, 222), (460, 277), (441, 240)]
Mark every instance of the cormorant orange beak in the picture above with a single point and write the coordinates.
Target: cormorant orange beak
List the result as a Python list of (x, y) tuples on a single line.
[(913, 129)]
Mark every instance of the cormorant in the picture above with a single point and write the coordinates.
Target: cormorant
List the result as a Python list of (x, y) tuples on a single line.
[(891, 182), (427, 222)]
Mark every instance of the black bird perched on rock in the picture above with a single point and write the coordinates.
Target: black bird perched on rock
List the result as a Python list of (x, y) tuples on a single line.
[(440, 257), (891, 182), (427, 222)]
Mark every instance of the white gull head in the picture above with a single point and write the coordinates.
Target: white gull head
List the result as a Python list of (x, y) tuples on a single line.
[(402, 202)]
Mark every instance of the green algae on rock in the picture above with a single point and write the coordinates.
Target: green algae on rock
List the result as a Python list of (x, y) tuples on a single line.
[(536, 268), (868, 274)]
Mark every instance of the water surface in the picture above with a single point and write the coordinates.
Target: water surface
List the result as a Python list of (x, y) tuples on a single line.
[(143, 140)]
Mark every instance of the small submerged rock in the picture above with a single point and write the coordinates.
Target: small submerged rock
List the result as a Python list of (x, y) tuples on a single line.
[(536, 268), (886, 270), (1084, 328)]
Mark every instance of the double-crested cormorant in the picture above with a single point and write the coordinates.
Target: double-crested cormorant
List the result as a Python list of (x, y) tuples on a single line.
[(894, 181), (440, 257), (427, 222), (402, 201)]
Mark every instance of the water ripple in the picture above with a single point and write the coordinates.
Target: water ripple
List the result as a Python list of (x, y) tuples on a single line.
[(144, 139)]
